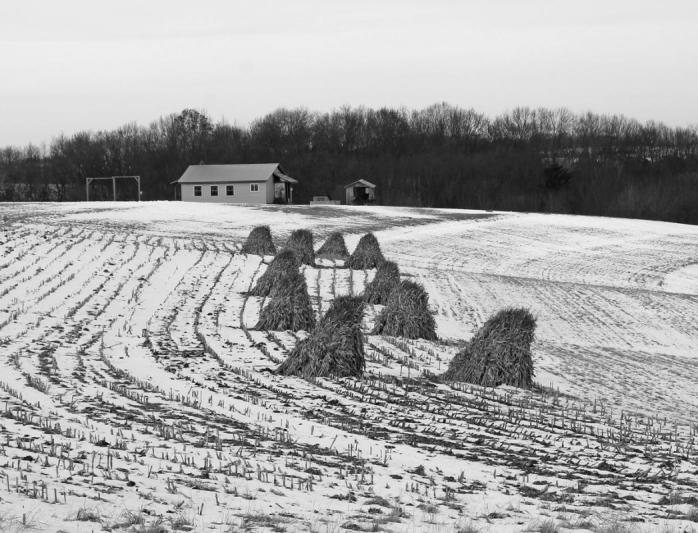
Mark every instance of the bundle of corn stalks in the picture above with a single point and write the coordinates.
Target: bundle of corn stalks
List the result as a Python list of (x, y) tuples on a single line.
[(367, 253), (301, 243), (406, 313), (386, 279), (335, 347), (283, 264), (334, 247), (499, 353), (289, 306), (345, 310), (259, 242)]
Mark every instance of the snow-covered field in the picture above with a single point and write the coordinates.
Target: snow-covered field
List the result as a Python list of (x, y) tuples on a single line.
[(136, 397)]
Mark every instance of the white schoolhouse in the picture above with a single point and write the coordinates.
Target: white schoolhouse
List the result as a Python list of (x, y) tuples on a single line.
[(260, 183)]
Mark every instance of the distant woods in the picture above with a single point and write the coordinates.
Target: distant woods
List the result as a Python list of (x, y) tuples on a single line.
[(548, 160)]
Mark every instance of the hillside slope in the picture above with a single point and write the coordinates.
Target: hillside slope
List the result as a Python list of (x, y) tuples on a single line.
[(135, 388)]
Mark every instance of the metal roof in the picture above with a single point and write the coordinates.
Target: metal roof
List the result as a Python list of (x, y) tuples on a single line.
[(365, 183), (233, 173), (284, 177)]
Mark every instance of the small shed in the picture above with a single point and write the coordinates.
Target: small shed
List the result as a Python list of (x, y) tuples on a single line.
[(360, 192)]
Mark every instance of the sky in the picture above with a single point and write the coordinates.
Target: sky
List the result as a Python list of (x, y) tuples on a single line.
[(73, 65)]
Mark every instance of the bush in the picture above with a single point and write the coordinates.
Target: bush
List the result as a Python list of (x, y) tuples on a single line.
[(386, 279), (499, 353), (301, 243), (259, 242), (367, 253), (406, 313), (289, 306), (335, 347), (285, 262), (334, 247)]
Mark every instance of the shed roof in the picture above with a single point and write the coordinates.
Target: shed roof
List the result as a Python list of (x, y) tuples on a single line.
[(233, 173), (364, 183)]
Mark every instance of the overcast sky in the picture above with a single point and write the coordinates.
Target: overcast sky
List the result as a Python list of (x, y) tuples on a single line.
[(71, 65)]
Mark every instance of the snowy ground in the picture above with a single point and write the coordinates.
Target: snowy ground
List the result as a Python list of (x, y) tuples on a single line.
[(136, 396)]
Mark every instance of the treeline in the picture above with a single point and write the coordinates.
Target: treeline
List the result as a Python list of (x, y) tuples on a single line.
[(549, 160)]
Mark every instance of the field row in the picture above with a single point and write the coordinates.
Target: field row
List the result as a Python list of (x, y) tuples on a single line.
[(132, 370)]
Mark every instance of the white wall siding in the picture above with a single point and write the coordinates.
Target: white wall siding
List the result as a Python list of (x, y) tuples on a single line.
[(243, 193)]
